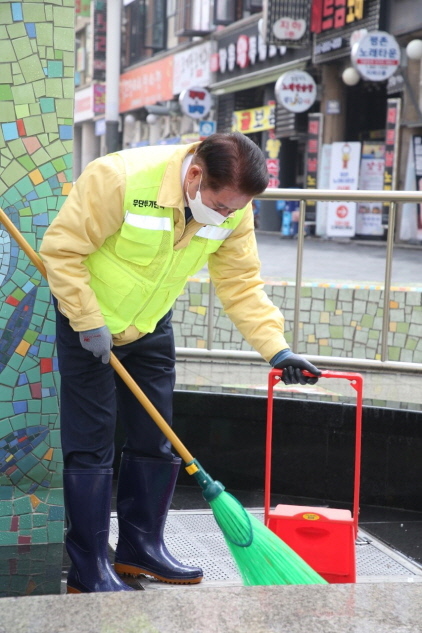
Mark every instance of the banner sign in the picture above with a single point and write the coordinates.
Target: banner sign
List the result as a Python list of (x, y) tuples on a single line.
[(271, 151), (344, 175), (391, 151), (254, 120), (100, 40), (313, 145), (369, 214), (146, 85), (192, 67)]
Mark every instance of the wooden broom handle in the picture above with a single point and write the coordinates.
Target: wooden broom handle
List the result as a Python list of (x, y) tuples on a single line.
[(114, 361)]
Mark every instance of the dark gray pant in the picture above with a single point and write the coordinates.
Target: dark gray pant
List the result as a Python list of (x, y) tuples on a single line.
[(91, 396)]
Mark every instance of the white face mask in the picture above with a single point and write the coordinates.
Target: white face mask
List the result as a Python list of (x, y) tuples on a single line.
[(201, 213)]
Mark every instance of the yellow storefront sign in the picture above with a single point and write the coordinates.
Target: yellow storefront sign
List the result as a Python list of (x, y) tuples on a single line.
[(254, 120)]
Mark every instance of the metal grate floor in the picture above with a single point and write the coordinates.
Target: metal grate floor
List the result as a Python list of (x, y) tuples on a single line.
[(194, 538)]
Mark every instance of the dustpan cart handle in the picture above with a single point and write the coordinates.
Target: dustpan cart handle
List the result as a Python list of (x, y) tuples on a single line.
[(356, 382)]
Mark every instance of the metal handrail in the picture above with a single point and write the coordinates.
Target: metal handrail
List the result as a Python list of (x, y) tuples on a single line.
[(304, 195)]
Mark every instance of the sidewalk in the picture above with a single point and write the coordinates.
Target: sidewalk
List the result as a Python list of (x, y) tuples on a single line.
[(345, 261)]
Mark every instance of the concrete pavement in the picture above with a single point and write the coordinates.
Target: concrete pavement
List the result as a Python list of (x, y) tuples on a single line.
[(345, 261)]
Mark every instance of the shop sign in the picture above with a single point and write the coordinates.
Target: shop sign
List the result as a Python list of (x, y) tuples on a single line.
[(332, 107), (337, 24), (335, 14), (195, 102), (99, 98), (246, 49), (146, 85), (392, 128), (417, 154), (100, 40), (271, 152), (254, 120), (369, 214), (192, 67), (206, 128), (376, 56), (344, 175), (189, 138), (295, 90), (84, 105), (286, 28), (100, 127), (286, 22), (313, 146), (324, 163), (89, 102), (329, 45)]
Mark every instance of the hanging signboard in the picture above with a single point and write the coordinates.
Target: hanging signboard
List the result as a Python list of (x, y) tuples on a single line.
[(287, 22), (391, 151), (295, 90), (376, 56), (313, 146), (369, 214), (344, 175), (254, 120), (195, 102)]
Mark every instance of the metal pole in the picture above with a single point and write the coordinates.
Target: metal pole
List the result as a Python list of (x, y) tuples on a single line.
[(298, 285), (387, 282), (210, 319), (112, 75)]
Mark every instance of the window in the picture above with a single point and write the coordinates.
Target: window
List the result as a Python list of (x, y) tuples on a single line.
[(193, 17)]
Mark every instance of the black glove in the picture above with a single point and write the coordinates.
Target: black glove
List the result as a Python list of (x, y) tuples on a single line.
[(292, 374)]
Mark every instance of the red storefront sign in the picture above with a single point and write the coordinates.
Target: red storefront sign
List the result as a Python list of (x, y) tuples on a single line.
[(335, 14)]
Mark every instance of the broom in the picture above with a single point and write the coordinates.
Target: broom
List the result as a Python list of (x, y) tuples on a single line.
[(261, 557)]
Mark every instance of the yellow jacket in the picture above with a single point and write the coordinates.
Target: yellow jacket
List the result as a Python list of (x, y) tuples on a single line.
[(94, 210)]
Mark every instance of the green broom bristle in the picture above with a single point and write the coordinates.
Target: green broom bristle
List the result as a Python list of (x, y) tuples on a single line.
[(261, 556)]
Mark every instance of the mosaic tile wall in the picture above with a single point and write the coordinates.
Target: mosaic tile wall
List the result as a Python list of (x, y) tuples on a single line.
[(336, 320), (36, 126)]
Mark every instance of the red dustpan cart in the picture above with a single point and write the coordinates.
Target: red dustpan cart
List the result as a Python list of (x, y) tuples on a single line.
[(323, 537)]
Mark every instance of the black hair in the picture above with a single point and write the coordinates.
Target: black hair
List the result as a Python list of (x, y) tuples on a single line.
[(232, 161)]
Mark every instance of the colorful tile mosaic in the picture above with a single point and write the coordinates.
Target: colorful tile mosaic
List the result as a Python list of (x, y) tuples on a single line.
[(335, 320), (36, 109)]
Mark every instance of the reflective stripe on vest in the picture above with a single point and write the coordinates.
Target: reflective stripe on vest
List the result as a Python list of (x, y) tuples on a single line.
[(151, 222), (214, 233)]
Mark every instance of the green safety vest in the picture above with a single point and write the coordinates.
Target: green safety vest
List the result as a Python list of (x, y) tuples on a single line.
[(136, 274)]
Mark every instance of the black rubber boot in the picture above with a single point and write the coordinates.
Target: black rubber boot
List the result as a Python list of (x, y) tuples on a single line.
[(144, 495), (87, 494)]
